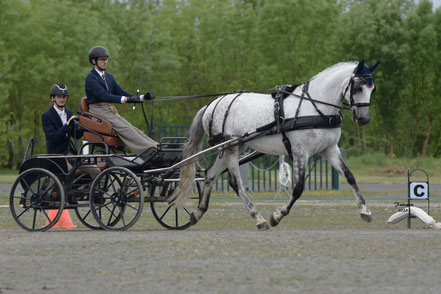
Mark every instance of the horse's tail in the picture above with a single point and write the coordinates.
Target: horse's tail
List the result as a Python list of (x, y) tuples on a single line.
[(188, 172)]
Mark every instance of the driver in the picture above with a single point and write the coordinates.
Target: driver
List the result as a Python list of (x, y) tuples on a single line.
[(57, 122), (102, 90)]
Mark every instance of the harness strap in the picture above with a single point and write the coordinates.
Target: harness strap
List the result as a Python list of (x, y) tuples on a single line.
[(315, 106), (279, 118), (287, 144), (210, 123), (302, 123), (313, 122), (228, 111)]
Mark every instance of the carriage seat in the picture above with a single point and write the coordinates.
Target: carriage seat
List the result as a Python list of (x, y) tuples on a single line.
[(99, 125)]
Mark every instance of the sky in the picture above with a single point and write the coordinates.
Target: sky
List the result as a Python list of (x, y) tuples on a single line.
[(436, 3)]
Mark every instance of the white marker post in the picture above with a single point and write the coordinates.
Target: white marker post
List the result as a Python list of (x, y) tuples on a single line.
[(417, 191)]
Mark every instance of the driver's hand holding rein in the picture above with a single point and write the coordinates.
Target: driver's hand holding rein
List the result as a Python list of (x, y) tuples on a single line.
[(102, 90)]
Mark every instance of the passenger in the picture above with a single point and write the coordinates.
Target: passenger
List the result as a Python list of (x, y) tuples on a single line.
[(102, 90), (57, 122)]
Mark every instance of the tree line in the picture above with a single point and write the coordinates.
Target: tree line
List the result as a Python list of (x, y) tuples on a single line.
[(215, 46)]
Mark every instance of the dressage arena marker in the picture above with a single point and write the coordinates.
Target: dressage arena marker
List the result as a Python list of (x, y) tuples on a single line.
[(416, 191)]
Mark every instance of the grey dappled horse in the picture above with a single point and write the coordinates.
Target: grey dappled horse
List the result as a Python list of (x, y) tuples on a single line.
[(350, 81)]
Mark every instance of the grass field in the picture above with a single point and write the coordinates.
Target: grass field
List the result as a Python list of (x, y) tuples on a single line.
[(368, 169), (383, 169)]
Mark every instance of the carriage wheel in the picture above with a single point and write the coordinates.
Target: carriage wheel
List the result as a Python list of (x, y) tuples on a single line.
[(84, 214), (169, 217), (116, 198), (86, 217), (33, 194), (83, 211)]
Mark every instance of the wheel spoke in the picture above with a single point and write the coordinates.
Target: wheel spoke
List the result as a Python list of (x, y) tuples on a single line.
[(18, 216), (165, 212), (132, 206), (176, 217), (38, 183), (86, 215), (112, 181), (121, 212), (103, 192), (111, 214), (186, 210), (47, 216), (34, 220), (47, 189), (107, 207), (28, 186)]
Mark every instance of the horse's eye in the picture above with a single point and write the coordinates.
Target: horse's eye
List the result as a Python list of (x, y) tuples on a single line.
[(360, 89)]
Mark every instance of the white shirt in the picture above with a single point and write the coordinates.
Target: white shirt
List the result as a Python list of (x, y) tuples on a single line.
[(62, 115)]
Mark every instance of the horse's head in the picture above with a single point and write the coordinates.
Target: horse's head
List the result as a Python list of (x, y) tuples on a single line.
[(358, 92)]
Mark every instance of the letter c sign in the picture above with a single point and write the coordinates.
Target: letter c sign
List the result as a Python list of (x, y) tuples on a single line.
[(419, 190)]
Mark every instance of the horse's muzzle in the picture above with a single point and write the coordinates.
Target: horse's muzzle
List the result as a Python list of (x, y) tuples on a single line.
[(361, 121)]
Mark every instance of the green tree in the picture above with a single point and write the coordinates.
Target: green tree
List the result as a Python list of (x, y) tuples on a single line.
[(419, 91)]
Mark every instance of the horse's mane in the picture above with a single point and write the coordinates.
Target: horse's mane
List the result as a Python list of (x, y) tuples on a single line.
[(326, 70)]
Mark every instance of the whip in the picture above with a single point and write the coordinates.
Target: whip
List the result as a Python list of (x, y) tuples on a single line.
[(148, 48), (145, 63)]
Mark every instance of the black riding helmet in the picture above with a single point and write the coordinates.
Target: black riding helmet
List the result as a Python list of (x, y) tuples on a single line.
[(59, 89), (97, 52)]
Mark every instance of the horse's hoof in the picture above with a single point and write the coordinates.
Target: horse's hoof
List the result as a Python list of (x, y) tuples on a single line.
[(263, 227), (273, 221), (366, 217), (193, 219)]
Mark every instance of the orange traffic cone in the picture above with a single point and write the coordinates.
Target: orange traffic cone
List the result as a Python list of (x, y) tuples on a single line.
[(65, 222)]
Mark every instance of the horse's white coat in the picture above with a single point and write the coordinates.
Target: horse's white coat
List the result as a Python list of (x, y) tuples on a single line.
[(250, 111)]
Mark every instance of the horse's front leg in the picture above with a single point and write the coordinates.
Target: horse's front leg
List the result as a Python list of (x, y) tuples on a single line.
[(334, 157), (299, 180), (235, 181)]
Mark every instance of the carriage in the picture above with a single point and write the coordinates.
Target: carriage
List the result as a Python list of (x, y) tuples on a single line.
[(110, 186), (107, 188)]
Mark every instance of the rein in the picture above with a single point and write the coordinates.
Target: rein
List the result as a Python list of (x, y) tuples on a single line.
[(313, 100), (171, 98)]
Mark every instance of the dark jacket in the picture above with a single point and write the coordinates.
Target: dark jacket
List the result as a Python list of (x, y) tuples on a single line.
[(57, 134), (96, 90)]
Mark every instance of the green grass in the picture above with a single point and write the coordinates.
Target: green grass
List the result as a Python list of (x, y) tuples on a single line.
[(378, 168), (7, 175), (373, 168)]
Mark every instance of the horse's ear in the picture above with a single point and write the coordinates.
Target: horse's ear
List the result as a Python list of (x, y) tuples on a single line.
[(373, 67), (360, 67)]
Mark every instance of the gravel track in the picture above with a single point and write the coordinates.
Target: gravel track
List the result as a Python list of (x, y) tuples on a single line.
[(318, 248)]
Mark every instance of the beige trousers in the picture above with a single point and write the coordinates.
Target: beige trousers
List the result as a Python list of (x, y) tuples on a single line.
[(134, 138)]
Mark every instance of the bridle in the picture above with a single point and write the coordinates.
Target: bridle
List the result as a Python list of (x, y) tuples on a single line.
[(368, 79)]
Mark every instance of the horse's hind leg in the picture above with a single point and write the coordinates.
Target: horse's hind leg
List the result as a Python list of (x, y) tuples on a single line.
[(299, 180), (334, 157), (211, 176), (235, 181)]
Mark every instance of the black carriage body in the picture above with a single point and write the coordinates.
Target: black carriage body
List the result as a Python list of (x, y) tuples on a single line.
[(112, 199), (58, 165)]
